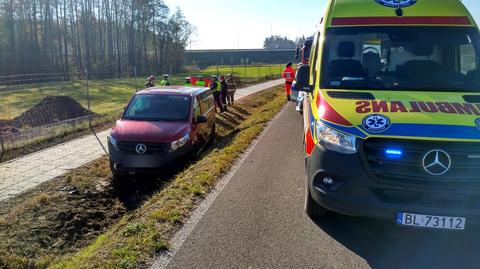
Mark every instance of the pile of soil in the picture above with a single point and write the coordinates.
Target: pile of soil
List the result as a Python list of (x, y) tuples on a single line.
[(51, 109)]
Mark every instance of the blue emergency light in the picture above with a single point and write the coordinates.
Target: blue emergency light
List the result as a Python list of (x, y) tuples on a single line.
[(394, 153)]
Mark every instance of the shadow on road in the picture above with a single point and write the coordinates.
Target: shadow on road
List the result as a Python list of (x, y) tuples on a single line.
[(385, 245)]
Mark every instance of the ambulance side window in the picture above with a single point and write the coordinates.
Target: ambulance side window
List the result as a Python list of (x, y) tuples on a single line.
[(314, 59), (468, 61)]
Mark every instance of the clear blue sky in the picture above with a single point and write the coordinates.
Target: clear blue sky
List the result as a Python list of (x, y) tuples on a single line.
[(231, 24)]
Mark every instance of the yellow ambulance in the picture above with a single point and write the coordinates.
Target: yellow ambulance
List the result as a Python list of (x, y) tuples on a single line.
[(392, 118)]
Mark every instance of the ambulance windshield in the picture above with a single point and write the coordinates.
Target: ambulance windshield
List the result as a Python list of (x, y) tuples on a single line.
[(403, 58)]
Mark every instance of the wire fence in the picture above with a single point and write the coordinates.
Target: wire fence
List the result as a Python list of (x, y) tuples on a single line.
[(37, 109)]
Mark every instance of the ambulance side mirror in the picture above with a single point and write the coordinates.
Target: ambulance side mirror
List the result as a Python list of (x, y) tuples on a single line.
[(303, 79)]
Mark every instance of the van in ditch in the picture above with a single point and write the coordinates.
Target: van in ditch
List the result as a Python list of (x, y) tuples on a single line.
[(392, 118), (160, 127)]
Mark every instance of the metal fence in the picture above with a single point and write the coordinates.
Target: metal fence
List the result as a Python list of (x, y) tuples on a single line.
[(37, 109)]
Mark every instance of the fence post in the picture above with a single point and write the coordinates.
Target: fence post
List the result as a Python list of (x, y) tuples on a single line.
[(91, 114), (2, 148), (135, 74), (218, 74), (88, 98)]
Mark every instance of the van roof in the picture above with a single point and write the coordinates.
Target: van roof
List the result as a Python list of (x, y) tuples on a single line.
[(179, 90), (383, 12)]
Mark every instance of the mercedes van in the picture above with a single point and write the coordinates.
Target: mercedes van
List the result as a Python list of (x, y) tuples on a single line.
[(159, 127), (392, 118)]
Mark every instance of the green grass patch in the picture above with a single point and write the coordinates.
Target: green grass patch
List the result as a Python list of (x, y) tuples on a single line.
[(141, 234)]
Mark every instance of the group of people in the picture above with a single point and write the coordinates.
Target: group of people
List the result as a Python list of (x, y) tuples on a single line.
[(223, 91), (151, 81), (223, 88)]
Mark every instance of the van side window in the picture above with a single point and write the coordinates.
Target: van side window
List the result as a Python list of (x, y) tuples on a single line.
[(206, 102), (196, 108)]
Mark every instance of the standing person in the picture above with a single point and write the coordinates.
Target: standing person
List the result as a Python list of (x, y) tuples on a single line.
[(165, 81), (289, 76), (232, 88), (223, 92), (216, 88), (188, 82), (200, 82), (150, 82)]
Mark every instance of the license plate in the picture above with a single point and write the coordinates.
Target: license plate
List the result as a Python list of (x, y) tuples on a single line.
[(434, 222)]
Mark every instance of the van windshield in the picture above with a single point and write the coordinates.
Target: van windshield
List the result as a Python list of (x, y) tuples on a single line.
[(403, 58), (158, 108)]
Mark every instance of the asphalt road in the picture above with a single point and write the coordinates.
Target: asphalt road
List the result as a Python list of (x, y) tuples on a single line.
[(258, 221)]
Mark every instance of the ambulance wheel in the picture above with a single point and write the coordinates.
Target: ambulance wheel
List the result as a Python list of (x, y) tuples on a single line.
[(313, 209)]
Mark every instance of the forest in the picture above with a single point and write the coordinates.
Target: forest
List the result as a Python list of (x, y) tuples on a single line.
[(109, 37)]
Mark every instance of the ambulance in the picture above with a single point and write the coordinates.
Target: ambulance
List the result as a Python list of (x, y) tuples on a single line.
[(392, 118)]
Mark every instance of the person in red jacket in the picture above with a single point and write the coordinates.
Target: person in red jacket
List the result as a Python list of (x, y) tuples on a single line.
[(289, 76)]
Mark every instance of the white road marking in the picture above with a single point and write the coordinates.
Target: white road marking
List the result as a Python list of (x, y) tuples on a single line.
[(181, 236)]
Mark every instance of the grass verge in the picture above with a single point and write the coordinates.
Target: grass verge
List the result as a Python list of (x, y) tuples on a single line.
[(77, 221)]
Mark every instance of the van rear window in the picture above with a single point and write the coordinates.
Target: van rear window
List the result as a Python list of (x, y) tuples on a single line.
[(403, 58), (158, 108)]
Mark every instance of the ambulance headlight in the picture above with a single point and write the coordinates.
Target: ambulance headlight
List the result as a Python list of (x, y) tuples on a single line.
[(334, 140)]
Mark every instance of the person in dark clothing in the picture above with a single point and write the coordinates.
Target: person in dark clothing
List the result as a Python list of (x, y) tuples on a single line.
[(232, 88), (151, 82), (223, 91), (216, 90)]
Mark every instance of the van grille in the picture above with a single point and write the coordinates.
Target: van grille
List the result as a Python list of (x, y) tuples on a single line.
[(152, 148), (465, 157)]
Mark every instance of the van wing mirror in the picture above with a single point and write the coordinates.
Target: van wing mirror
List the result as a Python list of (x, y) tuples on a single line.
[(201, 119), (303, 79)]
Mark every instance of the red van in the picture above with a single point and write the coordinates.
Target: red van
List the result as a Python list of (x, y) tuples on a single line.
[(159, 127)]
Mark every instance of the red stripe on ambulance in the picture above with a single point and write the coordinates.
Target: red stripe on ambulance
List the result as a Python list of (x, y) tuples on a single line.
[(444, 20)]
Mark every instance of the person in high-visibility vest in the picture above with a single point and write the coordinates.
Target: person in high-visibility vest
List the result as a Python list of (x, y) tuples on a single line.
[(200, 82), (165, 81), (289, 76), (151, 82), (216, 88), (188, 82)]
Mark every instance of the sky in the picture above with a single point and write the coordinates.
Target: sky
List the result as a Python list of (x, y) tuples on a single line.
[(244, 24)]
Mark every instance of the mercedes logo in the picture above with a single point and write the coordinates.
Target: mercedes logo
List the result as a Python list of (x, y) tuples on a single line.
[(141, 149), (437, 162)]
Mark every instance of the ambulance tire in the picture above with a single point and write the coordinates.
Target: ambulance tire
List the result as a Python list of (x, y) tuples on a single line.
[(313, 209)]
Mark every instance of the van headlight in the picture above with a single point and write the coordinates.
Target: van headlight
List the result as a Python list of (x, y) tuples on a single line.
[(112, 141), (334, 140), (175, 145)]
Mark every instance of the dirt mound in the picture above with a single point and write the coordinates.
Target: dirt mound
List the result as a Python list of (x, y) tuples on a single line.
[(51, 109)]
